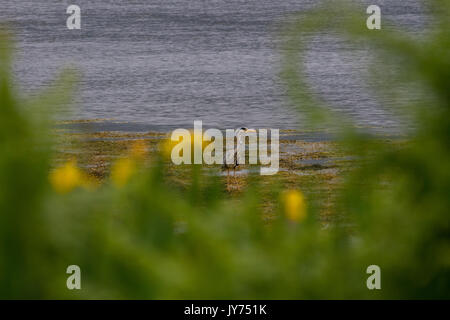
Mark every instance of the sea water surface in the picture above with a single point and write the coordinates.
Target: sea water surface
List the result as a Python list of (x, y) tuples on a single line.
[(167, 63)]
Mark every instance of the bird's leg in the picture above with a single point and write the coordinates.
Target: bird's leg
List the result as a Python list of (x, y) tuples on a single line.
[(234, 175), (228, 179)]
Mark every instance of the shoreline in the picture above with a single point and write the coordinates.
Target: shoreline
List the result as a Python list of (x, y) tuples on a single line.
[(94, 126)]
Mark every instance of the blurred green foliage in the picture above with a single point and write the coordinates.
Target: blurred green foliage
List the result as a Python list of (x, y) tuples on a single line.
[(146, 240)]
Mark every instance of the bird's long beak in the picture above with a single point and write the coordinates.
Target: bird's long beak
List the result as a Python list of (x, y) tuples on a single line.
[(251, 130)]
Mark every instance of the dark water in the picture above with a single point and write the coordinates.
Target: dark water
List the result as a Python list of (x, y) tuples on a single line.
[(168, 62)]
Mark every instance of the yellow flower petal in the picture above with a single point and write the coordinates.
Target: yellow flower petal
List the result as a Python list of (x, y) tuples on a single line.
[(191, 142), (294, 205), (138, 149), (66, 178)]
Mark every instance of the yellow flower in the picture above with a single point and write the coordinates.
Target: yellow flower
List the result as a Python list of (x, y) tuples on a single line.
[(294, 205), (66, 178), (166, 147), (122, 170), (138, 149), (189, 141)]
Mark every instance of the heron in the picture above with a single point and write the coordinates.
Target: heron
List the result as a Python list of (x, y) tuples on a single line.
[(231, 157)]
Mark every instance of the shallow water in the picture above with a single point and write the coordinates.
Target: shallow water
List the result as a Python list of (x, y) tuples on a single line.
[(166, 63)]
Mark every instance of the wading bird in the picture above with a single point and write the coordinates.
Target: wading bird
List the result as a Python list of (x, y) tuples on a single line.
[(231, 157)]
